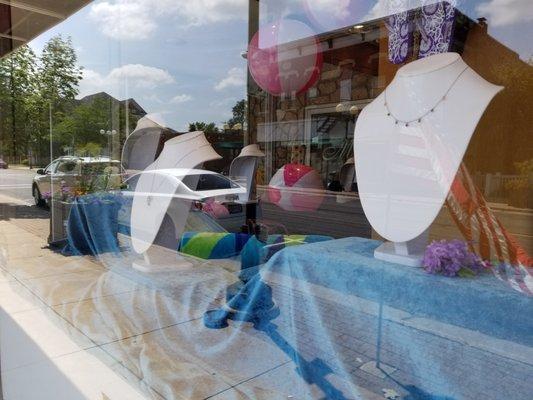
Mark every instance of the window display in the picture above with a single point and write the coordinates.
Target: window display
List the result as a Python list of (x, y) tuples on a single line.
[(273, 199)]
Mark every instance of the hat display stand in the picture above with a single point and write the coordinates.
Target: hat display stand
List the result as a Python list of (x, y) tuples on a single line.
[(140, 147), (347, 175), (244, 167), (347, 178)]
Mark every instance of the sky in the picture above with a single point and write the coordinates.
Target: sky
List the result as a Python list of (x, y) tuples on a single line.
[(181, 59)]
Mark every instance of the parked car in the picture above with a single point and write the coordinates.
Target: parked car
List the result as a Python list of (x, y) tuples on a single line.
[(3, 164), (191, 184), (173, 192), (70, 171)]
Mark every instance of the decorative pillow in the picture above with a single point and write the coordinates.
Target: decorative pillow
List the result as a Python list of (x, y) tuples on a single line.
[(212, 245)]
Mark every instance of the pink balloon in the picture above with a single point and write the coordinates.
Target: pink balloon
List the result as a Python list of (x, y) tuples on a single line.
[(279, 66)]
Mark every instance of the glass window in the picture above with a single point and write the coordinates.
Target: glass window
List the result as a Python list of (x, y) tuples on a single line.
[(68, 167), (274, 199), (51, 168)]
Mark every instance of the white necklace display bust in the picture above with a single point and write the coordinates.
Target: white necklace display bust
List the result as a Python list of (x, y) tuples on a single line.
[(153, 197), (410, 141)]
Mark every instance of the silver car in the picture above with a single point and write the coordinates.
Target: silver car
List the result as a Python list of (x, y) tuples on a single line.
[(67, 171)]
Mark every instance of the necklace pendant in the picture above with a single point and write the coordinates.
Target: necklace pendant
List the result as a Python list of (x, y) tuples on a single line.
[(407, 124)]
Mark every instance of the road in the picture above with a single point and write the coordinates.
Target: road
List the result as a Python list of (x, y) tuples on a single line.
[(16, 183)]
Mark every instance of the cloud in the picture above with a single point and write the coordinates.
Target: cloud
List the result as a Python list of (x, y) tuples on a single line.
[(225, 103), (506, 12), (124, 19), (202, 12), (137, 19), (384, 8), (131, 76), (141, 76), (181, 98), (236, 77), (337, 8)]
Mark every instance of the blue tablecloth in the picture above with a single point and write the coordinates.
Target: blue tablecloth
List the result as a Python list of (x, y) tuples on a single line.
[(93, 224), (347, 266)]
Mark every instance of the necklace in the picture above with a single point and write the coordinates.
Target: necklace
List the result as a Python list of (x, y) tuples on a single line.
[(431, 110)]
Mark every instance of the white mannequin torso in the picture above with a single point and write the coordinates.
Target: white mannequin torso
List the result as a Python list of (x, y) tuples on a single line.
[(405, 169)]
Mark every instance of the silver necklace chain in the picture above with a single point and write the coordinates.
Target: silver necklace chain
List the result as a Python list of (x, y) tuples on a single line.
[(431, 110)]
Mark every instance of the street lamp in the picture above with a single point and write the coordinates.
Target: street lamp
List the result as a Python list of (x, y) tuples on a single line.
[(109, 134)]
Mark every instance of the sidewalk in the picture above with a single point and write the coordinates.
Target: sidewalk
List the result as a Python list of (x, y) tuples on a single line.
[(109, 332)]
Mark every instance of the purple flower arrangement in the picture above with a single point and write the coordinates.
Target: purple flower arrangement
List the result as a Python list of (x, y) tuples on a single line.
[(452, 258)]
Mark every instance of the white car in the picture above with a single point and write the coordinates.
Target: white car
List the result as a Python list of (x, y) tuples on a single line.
[(172, 191), (191, 184), (69, 170)]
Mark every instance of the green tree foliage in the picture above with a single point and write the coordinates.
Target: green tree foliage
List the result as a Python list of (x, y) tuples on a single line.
[(89, 149), (82, 125), (38, 105), (208, 128), (17, 86), (35, 91), (239, 113), (59, 73)]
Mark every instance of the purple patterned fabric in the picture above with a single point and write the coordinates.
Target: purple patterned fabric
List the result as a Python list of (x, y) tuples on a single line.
[(436, 28), (435, 24), (400, 28)]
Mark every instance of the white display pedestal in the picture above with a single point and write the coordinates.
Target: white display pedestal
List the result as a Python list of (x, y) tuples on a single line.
[(405, 253)]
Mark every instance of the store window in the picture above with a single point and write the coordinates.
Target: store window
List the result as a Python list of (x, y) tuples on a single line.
[(259, 199)]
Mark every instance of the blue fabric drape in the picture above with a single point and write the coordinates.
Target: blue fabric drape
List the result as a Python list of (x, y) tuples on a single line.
[(93, 224)]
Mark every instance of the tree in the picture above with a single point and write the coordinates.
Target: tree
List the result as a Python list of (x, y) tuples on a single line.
[(34, 89), (59, 73), (89, 149), (85, 121), (58, 79), (83, 124), (239, 113), (17, 85), (208, 128)]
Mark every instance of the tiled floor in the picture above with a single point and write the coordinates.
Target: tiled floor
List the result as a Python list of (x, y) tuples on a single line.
[(83, 317)]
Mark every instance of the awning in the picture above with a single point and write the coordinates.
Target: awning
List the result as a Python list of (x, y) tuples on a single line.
[(23, 20)]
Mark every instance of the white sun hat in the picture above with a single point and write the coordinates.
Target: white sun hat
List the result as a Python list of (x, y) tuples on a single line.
[(252, 150)]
